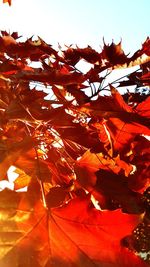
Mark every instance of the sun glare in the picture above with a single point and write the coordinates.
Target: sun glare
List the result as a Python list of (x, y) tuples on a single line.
[(9, 184), (11, 178)]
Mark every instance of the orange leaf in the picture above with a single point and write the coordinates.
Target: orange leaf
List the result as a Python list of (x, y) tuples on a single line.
[(143, 108), (73, 235), (9, 153), (7, 1), (122, 133), (118, 100), (22, 180)]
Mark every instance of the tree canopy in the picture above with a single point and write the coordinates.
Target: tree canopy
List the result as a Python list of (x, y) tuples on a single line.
[(80, 147)]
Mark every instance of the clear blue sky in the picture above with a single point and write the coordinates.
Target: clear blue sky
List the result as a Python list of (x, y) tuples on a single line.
[(80, 22)]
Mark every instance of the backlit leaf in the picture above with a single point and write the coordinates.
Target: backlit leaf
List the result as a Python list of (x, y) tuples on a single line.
[(7, 1), (80, 147), (42, 238)]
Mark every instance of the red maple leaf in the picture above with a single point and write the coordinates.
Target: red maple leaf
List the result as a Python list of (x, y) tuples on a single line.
[(74, 234), (73, 152)]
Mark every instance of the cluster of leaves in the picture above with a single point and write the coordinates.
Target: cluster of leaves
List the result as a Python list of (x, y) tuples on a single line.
[(81, 153)]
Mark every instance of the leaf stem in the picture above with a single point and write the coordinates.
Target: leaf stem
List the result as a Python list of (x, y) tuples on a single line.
[(118, 79), (39, 172), (40, 180)]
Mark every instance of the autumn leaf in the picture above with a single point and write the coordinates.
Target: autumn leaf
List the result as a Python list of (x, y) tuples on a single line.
[(114, 54), (22, 180), (71, 235), (121, 120), (118, 193), (114, 106), (106, 179), (16, 110), (146, 46), (79, 95), (122, 133), (116, 57), (56, 196), (9, 153), (108, 106), (74, 148), (7, 1), (80, 135), (140, 157), (31, 167), (73, 55), (53, 77), (95, 161), (119, 101), (144, 108), (30, 49)]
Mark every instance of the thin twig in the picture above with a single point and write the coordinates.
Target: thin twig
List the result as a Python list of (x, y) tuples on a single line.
[(100, 88), (40, 180), (118, 79), (39, 172)]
